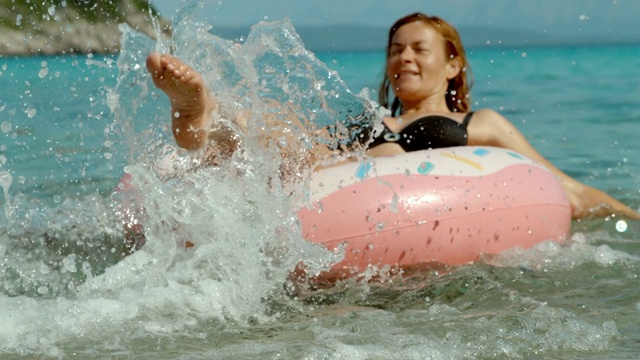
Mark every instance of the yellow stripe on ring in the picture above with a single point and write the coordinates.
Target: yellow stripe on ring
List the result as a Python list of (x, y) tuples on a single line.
[(464, 160)]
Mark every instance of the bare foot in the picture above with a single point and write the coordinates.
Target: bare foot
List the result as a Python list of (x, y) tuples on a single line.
[(190, 101)]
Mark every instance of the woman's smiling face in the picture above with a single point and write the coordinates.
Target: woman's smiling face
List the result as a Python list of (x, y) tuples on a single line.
[(417, 65)]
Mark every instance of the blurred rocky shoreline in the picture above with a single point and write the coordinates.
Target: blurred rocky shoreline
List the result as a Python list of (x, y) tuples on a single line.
[(73, 26)]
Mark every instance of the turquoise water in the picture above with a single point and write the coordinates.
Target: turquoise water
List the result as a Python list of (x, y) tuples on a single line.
[(71, 124)]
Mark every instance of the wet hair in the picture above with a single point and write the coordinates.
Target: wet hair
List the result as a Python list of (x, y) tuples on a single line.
[(458, 91)]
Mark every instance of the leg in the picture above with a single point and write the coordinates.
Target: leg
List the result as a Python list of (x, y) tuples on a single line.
[(191, 104)]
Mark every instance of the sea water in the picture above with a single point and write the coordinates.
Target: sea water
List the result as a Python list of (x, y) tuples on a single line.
[(72, 125)]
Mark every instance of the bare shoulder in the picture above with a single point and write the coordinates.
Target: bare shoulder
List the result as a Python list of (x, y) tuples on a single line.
[(488, 127), (487, 115)]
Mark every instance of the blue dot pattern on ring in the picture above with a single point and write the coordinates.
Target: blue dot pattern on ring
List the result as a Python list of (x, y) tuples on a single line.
[(363, 170), (425, 167)]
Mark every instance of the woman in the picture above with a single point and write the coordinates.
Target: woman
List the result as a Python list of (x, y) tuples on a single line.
[(426, 69)]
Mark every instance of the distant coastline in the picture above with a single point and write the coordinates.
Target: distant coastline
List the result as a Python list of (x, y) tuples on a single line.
[(365, 38), (50, 29)]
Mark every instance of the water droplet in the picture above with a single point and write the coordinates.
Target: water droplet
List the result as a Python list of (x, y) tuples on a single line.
[(31, 112), (621, 226), (5, 182), (5, 127), (43, 72)]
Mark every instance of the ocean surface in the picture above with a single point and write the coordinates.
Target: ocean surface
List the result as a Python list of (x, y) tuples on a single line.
[(71, 126)]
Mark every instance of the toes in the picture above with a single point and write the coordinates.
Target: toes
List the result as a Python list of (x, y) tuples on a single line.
[(166, 69), (154, 64), (173, 65)]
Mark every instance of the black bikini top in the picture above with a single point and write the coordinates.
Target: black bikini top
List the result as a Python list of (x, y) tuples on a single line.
[(429, 132)]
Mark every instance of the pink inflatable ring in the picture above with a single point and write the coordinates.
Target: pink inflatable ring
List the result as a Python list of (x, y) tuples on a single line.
[(445, 206)]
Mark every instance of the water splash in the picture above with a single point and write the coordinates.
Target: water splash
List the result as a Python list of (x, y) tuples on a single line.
[(68, 271), (240, 214)]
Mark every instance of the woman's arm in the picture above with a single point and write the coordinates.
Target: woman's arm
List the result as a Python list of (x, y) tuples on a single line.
[(492, 129)]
